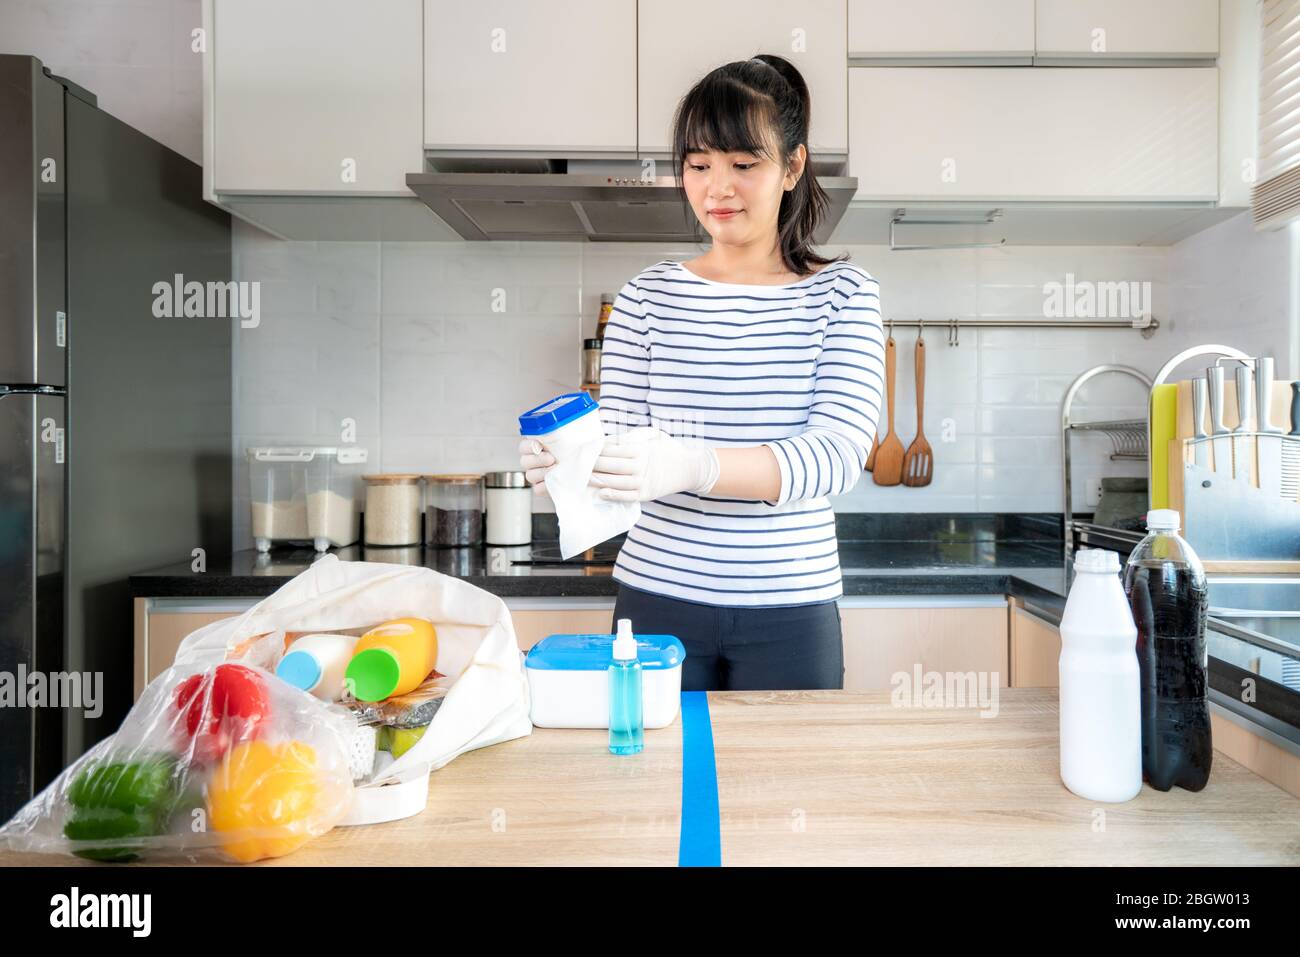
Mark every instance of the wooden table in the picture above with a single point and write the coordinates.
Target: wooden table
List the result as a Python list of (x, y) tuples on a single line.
[(819, 777)]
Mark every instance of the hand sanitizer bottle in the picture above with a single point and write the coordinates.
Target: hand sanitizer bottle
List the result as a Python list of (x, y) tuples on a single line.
[(626, 724)]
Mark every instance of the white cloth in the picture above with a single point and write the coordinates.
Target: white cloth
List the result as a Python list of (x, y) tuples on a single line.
[(585, 518)]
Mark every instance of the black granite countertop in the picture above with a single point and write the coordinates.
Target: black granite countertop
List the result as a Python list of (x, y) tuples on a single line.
[(958, 555)]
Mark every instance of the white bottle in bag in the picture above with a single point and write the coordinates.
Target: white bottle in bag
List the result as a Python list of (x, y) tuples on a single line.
[(317, 664), (1101, 739)]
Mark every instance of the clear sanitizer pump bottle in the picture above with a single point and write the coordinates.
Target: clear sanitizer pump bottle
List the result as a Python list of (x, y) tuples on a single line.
[(626, 721)]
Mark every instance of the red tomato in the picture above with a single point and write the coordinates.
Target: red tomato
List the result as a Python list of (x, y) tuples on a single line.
[(222, 708)]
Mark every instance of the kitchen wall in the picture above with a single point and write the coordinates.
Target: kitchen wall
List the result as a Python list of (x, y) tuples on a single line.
[(136, 56), (402, 339), (412, 345)]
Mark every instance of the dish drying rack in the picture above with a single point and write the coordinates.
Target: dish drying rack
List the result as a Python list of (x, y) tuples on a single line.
[(1130, 441)]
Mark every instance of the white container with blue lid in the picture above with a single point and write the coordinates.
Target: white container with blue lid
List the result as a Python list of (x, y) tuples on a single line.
[(568, 680), (556, 413)]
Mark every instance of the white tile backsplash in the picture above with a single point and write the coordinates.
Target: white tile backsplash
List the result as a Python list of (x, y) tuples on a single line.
[(434, 349)]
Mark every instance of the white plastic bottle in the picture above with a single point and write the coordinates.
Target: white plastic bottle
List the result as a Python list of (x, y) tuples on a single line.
[(317, 664), (1101, 738)]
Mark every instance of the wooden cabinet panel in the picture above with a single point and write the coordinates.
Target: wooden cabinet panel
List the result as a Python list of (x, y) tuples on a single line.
[(1035, 651), (159, 633), (532, 625), (879, 643)]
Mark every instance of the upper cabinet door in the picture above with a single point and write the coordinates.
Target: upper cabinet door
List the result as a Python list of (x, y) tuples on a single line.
[(961, 30), (1072, 29), (1045, 133), (679, 41), (516, 75), (316, 96)]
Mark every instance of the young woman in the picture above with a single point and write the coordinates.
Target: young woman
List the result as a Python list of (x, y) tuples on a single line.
[(738, 390)]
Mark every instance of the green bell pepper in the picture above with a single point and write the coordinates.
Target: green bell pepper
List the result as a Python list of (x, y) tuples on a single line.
[(115, 800)]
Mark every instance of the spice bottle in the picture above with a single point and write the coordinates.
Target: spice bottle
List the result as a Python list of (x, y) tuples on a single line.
[(606, 307)]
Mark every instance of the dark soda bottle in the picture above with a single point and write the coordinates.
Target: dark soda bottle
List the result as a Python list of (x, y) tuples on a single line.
[(1167, 593)]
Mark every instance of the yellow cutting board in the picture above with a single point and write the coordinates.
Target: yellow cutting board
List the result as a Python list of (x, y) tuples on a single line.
[(1164, 426)]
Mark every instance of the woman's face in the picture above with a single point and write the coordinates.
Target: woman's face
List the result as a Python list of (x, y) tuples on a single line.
[(748, 185)]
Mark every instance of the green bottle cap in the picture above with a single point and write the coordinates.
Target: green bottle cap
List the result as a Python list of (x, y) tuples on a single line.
[(373, 674)]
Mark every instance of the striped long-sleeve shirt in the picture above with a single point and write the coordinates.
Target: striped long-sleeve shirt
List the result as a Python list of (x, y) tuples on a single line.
[(798, 368)]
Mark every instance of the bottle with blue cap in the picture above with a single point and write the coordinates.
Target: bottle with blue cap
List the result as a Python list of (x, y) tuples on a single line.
[(626, 718), (318, 664)]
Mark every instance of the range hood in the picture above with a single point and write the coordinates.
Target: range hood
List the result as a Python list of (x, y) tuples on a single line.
[(578, 200)]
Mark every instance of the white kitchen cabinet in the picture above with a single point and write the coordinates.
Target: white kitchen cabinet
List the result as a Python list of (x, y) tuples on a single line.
[(517, 76), (680, 41), (959, 30), (314, 96), (1127, 29), (1049, 134)]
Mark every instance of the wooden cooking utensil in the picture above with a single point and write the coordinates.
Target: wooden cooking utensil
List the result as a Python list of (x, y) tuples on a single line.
[(918, 463), (875, 444), (889, 457)]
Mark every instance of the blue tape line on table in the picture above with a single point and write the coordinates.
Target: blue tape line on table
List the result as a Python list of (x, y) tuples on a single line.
[(701, 833)]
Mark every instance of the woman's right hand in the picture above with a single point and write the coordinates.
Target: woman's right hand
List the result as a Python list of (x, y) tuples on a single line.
[(536, 462)]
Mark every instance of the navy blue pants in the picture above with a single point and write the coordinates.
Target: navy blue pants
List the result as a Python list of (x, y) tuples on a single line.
[(743, 649)]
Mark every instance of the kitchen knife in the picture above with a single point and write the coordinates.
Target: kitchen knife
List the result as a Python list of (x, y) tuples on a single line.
[(1291, 450), (1241, 438), (1222, 439), (1200, 444), (1269, 443)]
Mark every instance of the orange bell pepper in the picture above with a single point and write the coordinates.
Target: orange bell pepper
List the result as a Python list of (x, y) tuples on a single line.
[(265, 798)]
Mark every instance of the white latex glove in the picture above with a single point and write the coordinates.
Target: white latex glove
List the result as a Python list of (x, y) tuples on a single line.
[(536, 462), (645, 463)]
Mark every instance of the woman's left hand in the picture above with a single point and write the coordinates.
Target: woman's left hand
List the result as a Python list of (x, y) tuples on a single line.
[(645, 463)]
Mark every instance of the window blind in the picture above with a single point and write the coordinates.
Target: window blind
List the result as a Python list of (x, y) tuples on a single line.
[(1275, 197)]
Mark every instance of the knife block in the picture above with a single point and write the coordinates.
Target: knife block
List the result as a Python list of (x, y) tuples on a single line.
[(1229, 521)]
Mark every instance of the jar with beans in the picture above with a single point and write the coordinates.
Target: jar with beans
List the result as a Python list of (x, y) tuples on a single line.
[(453, 513)]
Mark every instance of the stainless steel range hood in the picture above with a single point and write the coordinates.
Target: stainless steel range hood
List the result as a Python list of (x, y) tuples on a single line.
[(614, 205)]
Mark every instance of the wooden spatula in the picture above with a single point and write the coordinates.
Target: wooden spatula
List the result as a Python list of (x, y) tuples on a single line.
[(888, 468), (918, 463), (875, 444)]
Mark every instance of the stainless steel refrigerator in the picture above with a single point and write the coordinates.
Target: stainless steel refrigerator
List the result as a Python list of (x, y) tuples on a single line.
[(115, 441)]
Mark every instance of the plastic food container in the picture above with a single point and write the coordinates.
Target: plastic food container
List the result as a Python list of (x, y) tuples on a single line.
[(453, 510), (392, 509), (568, 679), (305, 495)]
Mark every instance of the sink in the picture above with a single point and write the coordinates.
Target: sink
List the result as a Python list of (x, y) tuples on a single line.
[(1272, 594), (1267, 609)]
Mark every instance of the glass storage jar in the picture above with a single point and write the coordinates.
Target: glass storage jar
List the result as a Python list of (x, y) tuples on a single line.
[(453, 506), (392, 509), (509, 502)]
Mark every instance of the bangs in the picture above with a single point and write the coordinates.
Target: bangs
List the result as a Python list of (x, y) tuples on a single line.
[(727, 117)]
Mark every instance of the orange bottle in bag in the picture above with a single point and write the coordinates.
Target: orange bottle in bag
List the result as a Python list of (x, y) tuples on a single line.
[(392, 659)]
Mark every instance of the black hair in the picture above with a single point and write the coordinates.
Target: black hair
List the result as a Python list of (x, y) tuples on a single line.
[(746, 107)]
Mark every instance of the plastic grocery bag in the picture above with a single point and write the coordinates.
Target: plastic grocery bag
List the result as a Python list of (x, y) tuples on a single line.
[(487, 701), (221, 760)]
